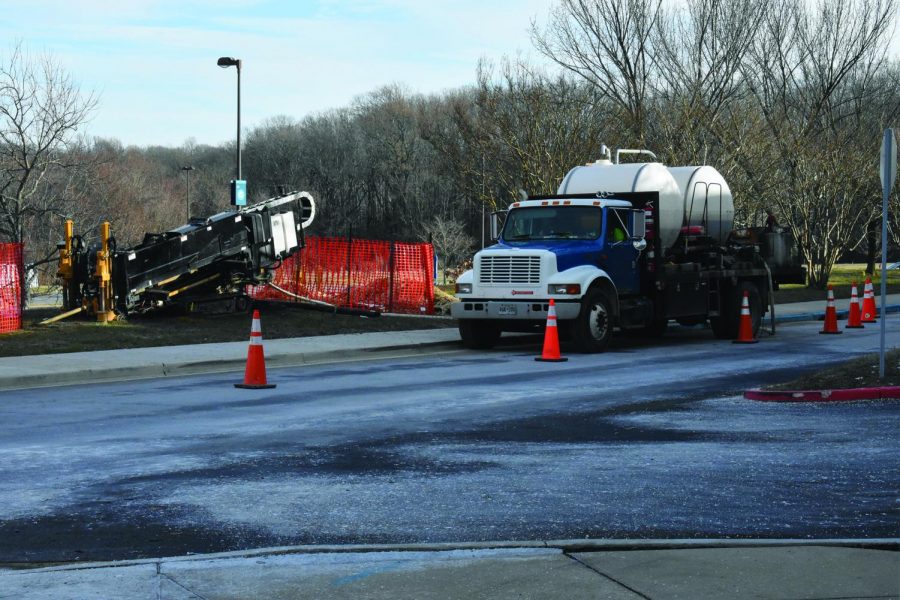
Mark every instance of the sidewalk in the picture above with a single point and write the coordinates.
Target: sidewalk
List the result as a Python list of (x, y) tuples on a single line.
[(164, 361), (734, 569), (138, 363)]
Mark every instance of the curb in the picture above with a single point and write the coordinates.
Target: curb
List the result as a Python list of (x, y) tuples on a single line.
[(848, 395), (820, 316), (212, 367), (565, 546)]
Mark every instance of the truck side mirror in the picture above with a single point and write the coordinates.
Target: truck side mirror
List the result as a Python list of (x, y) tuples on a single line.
[(639, 230), (498, 218)]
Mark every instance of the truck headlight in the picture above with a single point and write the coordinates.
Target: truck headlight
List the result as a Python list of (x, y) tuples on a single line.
[(463, 288), (571, 289)]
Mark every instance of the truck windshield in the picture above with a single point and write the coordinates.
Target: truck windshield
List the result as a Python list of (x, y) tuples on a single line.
[(556, 223)]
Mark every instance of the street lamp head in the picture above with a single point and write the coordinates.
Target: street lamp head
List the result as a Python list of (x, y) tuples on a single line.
[(227, 61)]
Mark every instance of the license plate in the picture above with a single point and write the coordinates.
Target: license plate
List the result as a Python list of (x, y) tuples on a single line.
[(507, 309)]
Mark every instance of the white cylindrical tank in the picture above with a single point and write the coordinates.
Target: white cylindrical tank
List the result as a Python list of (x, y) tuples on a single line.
[(707, 200), (603, 176)]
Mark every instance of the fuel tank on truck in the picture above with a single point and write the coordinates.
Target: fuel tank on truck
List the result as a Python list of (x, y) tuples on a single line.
[(604, 176), (707, 200)]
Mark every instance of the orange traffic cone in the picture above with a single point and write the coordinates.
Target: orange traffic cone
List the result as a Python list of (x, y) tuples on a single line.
[(854, 318), (869, 310), (831, 325), (551, 338), (255, 373), (745, 333)]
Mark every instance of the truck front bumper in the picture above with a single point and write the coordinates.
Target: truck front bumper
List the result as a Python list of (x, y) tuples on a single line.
[(513, 309)]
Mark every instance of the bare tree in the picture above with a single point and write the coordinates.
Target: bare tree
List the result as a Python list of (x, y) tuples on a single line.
[(534, 128), (41, 112), (609, 44), (809, 71), (272, 155), (451, 242), (700, 49)]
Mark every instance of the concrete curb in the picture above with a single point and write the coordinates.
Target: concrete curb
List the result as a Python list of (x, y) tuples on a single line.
[(98, 368), (102, 374), (564, 546), (820, 316), (846, 395)]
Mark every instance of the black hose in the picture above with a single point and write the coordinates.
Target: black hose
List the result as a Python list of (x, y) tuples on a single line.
[(336, 310)]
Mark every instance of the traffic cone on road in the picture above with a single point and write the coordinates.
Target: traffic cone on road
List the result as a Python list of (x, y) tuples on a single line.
[(831, 325), (745, 333), (869, 310), (854, 319), (551, 338), (255, 373)]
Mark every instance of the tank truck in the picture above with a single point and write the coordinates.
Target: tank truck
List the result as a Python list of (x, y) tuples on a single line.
[(622, 247)]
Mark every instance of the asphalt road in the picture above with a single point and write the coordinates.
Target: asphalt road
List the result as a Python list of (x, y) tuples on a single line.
[(648, 440)]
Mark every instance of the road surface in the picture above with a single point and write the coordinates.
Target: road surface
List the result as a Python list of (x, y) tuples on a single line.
[(649, 440)]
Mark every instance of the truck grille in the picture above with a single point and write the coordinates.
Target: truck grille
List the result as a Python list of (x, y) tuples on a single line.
[(510, 269)]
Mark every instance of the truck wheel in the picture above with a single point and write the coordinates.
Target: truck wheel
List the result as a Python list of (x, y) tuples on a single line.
[(477, 334), (594, 326), (726, 326)]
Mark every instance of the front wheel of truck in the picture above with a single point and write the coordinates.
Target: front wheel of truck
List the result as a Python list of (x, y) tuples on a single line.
[(477, 334), (593, 327)]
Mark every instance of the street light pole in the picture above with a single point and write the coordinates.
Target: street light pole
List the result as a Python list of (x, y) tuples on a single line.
[(239, 120), (187, 202), (225, 62)]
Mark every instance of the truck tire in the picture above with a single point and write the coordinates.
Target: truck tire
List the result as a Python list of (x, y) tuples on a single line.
[(477, 334), (726, 326), (594, 326)]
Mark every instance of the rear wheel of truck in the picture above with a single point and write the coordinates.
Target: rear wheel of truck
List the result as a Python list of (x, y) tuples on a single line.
[(593, 327), (477, 334), (726, 326)]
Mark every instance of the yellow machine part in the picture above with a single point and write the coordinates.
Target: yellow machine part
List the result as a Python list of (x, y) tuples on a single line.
[(65, 254), (103, 273)]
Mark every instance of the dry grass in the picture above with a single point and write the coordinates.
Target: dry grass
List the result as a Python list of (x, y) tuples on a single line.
[(842, 277)]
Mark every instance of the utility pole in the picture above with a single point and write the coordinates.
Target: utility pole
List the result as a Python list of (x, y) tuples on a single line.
[(482, 200)]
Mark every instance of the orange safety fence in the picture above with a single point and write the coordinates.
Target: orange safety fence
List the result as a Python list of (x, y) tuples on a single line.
[(11, 268), (364, 274)]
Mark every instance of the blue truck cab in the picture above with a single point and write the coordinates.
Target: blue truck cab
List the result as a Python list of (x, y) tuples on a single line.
[(584, 253)]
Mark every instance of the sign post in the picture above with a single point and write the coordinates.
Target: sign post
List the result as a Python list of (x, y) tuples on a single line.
[(888, 174)]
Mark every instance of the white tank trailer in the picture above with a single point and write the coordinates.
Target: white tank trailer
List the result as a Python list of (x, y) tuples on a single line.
[(689, 197)]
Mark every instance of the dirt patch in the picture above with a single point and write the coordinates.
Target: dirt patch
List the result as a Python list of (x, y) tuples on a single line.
[(78, 334), (857, 373)]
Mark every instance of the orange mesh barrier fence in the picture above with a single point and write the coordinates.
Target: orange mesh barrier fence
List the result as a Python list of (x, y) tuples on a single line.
[(10, 287), (364, 274)]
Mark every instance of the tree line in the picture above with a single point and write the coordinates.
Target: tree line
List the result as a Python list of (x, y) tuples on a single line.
[(787, 98)]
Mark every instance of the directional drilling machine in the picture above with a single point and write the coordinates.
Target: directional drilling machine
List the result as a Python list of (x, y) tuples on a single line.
[(203, 265)]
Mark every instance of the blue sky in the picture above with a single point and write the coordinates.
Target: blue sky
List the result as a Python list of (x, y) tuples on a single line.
[(153, 62)]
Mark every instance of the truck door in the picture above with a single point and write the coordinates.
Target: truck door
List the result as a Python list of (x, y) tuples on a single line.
[(619, 254)]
